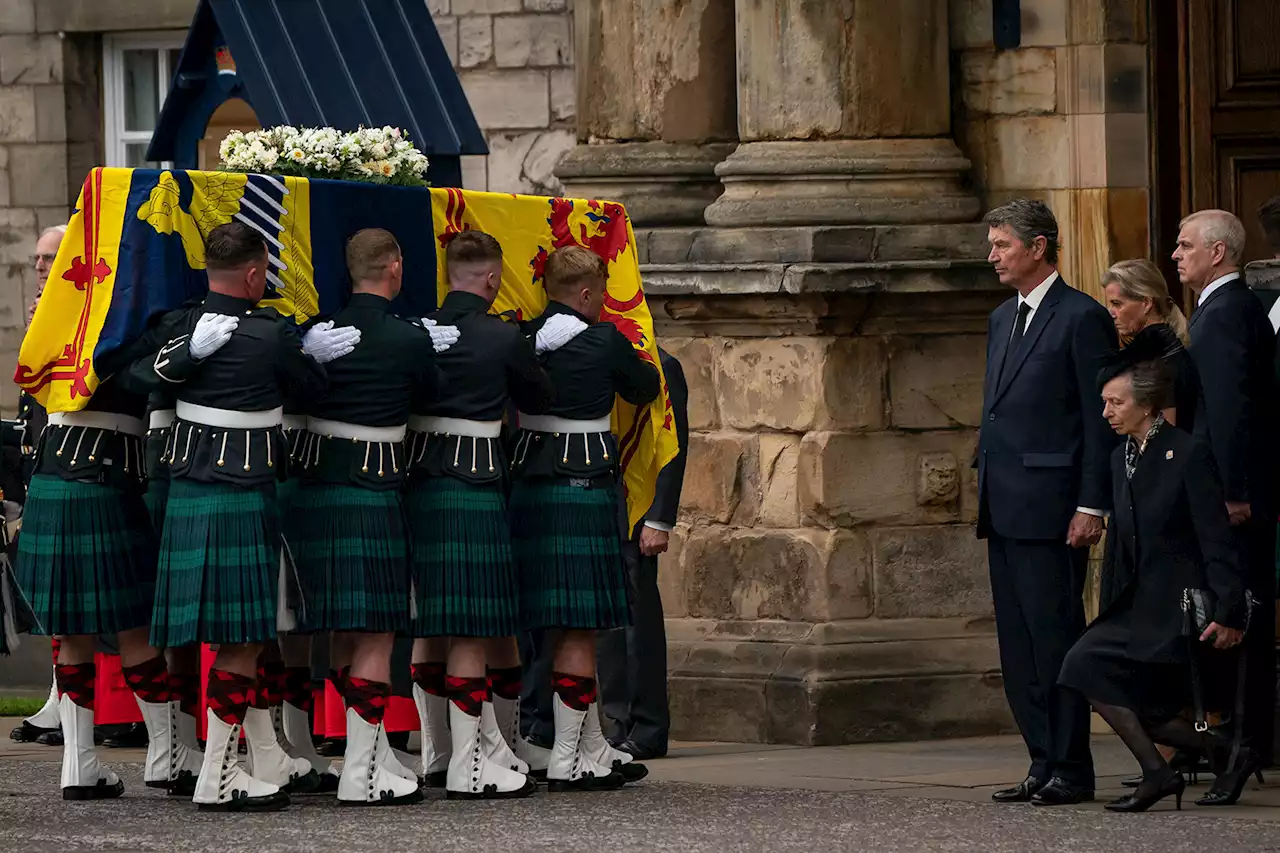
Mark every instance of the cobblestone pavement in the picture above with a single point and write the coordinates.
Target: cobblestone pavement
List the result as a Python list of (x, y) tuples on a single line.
[(908, 797)]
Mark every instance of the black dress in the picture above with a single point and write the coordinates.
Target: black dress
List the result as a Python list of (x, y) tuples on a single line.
[(1170, 532)]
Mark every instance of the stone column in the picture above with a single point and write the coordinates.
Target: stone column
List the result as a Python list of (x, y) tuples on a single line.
[(844, 113), (656, 105)]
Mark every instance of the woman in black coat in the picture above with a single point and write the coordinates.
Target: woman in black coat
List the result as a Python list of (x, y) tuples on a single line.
[(1170, 533)]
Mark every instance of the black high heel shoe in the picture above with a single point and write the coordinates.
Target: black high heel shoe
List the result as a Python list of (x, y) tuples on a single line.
[(1230, 783), (1141, 800)]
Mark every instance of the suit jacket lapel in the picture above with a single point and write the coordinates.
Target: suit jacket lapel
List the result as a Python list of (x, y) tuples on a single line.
[(1039, 320), (1000, 329), (1231, 285)]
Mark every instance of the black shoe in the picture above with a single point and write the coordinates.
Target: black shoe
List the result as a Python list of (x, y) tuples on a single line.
[(1230, 783), (328, 784), (612, 782), (641, 753), (1132, 781), (184, 785), (632, 771), (133, 736), (54, 738), (334, 747), (27, 733), (492, 793), (1150, 793), (307, 783), (398, 740), (100, 791), (279, 801), (434, 780), (1021, 792), (1060, 792)]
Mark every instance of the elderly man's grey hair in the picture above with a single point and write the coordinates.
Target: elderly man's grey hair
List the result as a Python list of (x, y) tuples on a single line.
[(1219, 226), (1028, 219), (60, 230)]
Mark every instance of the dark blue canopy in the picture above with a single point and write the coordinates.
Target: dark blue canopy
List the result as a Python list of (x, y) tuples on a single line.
[(320, 63)]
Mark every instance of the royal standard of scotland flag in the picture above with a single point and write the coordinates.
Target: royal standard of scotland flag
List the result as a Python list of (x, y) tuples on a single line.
[(135, 249)]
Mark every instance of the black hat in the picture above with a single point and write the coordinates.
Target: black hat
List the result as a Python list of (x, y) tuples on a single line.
[(1154, 343)]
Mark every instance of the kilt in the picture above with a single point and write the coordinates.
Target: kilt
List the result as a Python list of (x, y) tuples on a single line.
[(86, 557), (568, 545), (219, 566), (155, 498), (463, 569), (351, 547)]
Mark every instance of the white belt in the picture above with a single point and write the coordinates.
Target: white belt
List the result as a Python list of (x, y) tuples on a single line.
[(455, 426), (549, 423), (292, 422), (161, 419), (356, 432), (229, 418), (99, 420)]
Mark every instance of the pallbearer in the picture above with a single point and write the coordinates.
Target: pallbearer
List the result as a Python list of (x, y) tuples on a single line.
[(564, 511), (351, 543), (463, 566), (220, 551), (87, 556)]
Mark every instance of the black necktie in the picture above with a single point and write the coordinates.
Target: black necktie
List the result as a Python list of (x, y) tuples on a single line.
[(1019, 328)]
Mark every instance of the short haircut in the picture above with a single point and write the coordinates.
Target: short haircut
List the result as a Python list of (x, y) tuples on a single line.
[(472, 247), (1152, 384), (232, 246), (1269, 217), (370, 252), (1219, 226), (60, 230), (572, 267), (1028, 219)]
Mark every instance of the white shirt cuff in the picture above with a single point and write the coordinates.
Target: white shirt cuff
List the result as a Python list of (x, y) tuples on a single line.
[(1091, 511), (657, 525)]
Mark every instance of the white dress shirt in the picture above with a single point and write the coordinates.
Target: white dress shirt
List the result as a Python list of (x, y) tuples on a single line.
[(1033, 299), (1214, 285), (657, 525)]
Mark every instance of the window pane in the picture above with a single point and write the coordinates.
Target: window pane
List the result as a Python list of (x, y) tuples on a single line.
[(141, 89), (135, 156), (173, 67)]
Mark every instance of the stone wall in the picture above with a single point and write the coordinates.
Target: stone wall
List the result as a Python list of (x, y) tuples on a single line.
[(33, 166), (515, 60), (1062, 118)]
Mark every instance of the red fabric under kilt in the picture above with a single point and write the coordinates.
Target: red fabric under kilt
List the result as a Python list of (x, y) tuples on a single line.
[(113, 702), (331, 717)]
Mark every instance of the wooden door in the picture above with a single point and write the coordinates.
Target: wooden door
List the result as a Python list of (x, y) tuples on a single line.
[(1218, 137)]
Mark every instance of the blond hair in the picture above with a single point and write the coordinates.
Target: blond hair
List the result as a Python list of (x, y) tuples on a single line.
[(1219, 226), (369, 253), (1140, 279), (574, 267)]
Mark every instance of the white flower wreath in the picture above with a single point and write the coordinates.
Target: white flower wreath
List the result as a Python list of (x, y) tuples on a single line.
[(373, 155)]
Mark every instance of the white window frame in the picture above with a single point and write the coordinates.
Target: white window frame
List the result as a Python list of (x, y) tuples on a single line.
[(115, 137)]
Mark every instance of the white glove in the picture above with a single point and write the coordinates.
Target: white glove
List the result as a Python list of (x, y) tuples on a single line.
[(211, 333), (12, 510), (324, 343), (558, 331), (442, 337)]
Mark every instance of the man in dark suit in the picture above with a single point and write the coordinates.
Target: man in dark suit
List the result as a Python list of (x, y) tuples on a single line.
[(633, 661), (1233, 347), (1044, 486)]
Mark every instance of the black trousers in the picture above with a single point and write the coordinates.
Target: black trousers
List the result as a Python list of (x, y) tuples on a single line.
[(1256, 541), (1038, 589), (537, 657), (632, 662)]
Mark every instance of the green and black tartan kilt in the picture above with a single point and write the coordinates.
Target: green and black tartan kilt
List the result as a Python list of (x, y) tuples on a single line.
[(463, 568), (351, 547), (86, 557), (568, 546), (219, 567), (155, 500)]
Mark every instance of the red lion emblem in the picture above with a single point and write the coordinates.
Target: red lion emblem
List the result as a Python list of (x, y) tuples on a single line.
[(609, 244)]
